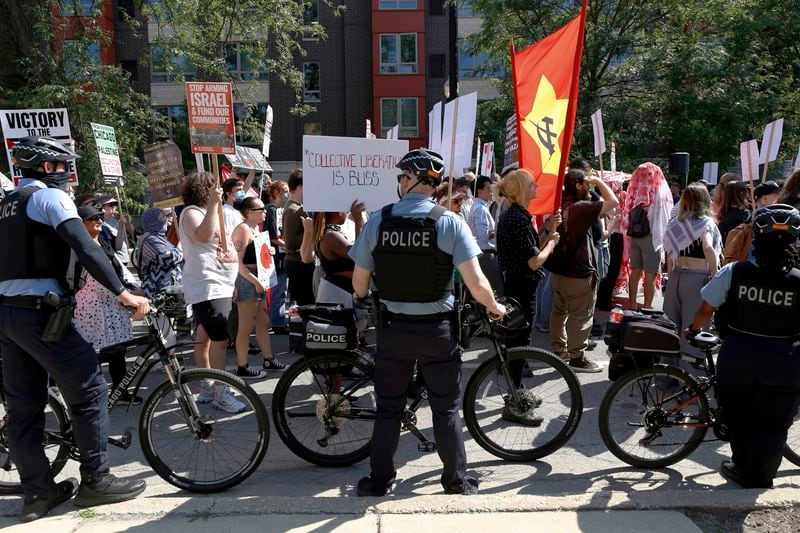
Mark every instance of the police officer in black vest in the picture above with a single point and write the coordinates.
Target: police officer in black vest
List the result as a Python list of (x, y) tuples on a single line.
[(759, 361), (412, 247), (39, 225)]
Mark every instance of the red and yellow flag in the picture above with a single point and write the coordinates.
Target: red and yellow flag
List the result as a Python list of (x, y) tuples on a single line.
[(546, 97)]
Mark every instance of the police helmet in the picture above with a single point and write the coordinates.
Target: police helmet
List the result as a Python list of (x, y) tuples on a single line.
[(776, 218), (31, 152), (426, 165)]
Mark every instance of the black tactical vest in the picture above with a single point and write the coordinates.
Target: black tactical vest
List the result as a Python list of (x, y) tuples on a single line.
[(409, 266), (763, 303), (28, 249)]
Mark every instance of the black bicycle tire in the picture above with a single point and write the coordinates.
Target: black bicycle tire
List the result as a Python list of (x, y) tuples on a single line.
[(789, 452), (62, 456), (282, 426), (624, 381), (164, 471), (561, 438)]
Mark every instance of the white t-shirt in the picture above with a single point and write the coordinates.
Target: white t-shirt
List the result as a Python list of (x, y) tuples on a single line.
[(207, 273), (232, 218)]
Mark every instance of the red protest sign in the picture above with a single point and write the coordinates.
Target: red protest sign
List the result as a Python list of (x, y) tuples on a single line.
[(211, 122)]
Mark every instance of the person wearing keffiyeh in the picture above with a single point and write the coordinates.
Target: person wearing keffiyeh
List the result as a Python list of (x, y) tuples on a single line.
[(693, 245), (161, 263)]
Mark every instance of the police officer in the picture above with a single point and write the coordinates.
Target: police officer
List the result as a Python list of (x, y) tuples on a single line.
[(39, 225), (411, 247), (759, 362)]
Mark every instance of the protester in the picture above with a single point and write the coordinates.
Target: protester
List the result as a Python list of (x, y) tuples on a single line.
[(209, 273), (645, 215), (115, 227), (464, 185), (693, 245), (277, 193), (232, 194), (574, 269), (766, 193), (416, 291), (251, 294), (38, 228), (739, 240), (719, 191), (482, 226), (791, 190), (734, 209), (160, 263), (758, 366), (300, 274), (675, 190), (454, 202)]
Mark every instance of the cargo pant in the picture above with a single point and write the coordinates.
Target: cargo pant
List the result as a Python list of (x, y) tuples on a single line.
[(571, 318)]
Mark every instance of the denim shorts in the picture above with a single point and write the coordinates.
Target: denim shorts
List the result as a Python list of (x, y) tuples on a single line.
[(246, 291)]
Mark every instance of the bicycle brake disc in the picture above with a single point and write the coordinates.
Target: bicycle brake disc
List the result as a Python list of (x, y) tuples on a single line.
[(337, 415)]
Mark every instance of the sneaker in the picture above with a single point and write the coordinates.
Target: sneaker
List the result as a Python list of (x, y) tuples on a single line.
[(468, 488), (582, 364), (225, 400), (533, 400), (273, 364), (366, 487), (206, 394), (526, 418), (103, 488), (39, 507), (245, 372), (731, 472)]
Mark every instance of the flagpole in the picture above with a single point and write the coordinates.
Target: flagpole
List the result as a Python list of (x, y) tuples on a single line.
[(520, 153)]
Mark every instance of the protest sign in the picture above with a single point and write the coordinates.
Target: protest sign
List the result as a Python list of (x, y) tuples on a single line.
[(164, 173), (711, 173), (267, 132), (458, 134), (198, 159), (613, 157), (749, 154), (599, 133), (511, 148), (339, 170), (771, 141), (211, 122), (368, 133), (478, 156), (264, 259), (787, 168), (797, 160), (487, 161), (247, 158), (20, 123), (108, 153), (393, 133), (435, 128)]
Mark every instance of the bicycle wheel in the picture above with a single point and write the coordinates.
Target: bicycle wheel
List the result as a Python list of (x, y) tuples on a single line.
[(324, 408), (792, 449), (210, 453), (56, 423), (488, 397), (652, 418)]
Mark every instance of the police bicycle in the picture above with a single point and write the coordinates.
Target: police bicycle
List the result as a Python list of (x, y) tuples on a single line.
[(324, 405), (191, 445), (655, 416)]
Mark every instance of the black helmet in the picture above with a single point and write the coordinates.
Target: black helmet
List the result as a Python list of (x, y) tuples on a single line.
[(776, 218), (426, 165), (30, 152)]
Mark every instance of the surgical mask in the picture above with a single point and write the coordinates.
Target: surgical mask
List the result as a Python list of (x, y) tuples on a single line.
[(238, 196)]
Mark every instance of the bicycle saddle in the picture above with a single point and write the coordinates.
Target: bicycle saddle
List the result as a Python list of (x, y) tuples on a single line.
[(704, 340)]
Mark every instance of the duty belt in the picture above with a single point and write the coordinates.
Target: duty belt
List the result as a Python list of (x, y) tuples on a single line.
[(28, 302), (420, 318)]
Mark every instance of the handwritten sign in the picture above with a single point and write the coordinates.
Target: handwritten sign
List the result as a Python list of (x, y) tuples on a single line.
[(211, 121), (511, 150), (164, 173), (771, 141), (393, 133), (458, 134), (339, 170), (108, 153), (599, 133), (20, 123), (487, 161), (368, 133), (264, 262), (435, 128), (711, 173), (749, 153)]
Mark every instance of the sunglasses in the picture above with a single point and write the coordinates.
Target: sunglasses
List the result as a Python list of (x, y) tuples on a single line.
[(401, 177), (258, 209)]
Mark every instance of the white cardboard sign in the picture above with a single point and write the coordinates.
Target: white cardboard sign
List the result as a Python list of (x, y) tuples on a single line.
[(435, 128), (771, 141), (108, 152), (599, 133), (613, 156), (711, 172), (797, 160), (459, 123), (368, 132), (393, 133), (20, 123), (487, 161), (267, 132), (264, 259), (749, 153), (340, 170)]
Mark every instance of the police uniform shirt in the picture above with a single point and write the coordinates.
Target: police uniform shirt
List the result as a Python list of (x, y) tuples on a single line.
[(452, 237), (46, 206), (715, 292)]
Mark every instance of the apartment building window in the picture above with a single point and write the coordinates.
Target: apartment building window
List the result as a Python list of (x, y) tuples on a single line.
[(397, 4), (436, 66), (238, 64), (399, 53), (176, 115), (79, 8), (310, 12), (402, 111), (311, 91), (77, 54), (162, 71), (478, 66)]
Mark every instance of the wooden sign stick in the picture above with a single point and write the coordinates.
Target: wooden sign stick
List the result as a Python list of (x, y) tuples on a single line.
[(217, 178)]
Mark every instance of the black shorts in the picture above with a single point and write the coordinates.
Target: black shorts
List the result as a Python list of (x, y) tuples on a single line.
[(213, 316)]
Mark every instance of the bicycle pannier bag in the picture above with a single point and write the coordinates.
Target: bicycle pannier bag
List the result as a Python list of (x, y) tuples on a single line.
[(328, 328)]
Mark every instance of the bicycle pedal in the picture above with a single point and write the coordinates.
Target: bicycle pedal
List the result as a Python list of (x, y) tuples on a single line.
[(124, 441), (426, 447)]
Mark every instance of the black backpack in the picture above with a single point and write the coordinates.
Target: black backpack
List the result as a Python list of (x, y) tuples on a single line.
[(638, 224)]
